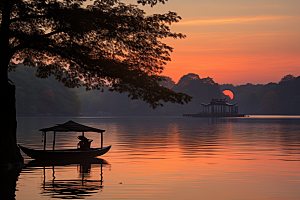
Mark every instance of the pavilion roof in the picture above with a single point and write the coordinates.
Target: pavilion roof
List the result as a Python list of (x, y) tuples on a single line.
[(72, 126), (227, 104), (218, 102)]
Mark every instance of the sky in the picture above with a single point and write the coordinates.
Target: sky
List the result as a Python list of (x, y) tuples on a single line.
[(234, 41)]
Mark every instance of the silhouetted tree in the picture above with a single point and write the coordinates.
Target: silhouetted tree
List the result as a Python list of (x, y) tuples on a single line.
[(270, 103), (202, 90), (288, 91), (272, 98), (252, 104), (90, 46), (288, 77)]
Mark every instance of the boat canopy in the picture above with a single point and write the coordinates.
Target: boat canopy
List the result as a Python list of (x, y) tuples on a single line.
[(72, 126)]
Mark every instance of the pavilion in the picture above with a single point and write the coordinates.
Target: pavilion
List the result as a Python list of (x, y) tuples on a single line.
[(217, 108), (220, 106)]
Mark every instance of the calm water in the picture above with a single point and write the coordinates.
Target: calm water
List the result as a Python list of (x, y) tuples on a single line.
[(257, 157)]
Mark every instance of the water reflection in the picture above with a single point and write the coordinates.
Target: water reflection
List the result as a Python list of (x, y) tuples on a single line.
[(240, 138), (176, 158), (69, 188)]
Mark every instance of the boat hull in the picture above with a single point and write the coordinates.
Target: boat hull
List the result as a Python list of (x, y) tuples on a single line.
[(64, 154)]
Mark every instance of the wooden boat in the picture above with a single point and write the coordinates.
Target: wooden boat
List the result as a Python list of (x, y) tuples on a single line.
[(65, 153), (69, 126)]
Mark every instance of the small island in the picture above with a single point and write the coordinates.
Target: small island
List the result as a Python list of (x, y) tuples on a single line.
[(218, 108)]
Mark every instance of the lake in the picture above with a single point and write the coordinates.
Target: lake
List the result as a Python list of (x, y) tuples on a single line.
[(161, 158)]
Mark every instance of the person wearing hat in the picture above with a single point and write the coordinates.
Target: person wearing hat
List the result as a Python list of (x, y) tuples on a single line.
[(84, 143)]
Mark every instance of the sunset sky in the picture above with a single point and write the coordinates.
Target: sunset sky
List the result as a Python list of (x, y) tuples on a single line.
[(234, 41)]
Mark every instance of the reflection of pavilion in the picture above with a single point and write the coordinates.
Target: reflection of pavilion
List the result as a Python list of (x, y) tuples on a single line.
[(71, 188), (217, 108)]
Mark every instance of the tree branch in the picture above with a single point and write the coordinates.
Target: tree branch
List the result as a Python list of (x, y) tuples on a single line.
[(26, 17), (29, 43)]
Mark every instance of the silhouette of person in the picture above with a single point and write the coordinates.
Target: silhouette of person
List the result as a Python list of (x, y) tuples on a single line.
[(84, 143)]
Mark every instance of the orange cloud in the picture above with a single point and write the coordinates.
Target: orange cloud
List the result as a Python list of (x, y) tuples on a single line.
[(231, 20)]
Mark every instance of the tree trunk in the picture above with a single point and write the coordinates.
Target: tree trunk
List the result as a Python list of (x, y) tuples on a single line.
[(8, 182), (10, 156)]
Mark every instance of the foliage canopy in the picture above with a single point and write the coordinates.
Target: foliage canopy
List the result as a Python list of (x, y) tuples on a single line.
[(105, 42)]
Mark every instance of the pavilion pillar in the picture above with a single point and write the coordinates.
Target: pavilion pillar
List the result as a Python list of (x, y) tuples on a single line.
[(45, 140), (101, 140), (53, 140)]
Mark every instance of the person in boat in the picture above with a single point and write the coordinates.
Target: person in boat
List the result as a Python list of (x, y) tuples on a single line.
[(84, 143)]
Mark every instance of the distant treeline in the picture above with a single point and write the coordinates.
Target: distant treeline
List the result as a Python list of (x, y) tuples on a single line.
[(40, 97), (273, 98), (49, 97), (111, 103)]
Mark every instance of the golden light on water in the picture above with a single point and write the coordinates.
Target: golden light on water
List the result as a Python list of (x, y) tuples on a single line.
[(177, 158)]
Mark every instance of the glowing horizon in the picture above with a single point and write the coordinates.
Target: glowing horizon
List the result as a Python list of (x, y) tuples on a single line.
[(234, 42), (229, 20)]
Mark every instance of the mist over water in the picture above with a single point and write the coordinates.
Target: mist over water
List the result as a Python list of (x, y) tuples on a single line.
[(256, 157)]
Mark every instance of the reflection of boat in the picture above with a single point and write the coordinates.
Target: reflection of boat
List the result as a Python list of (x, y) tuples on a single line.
[(67, 153), (76, 188), (64, 162)]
